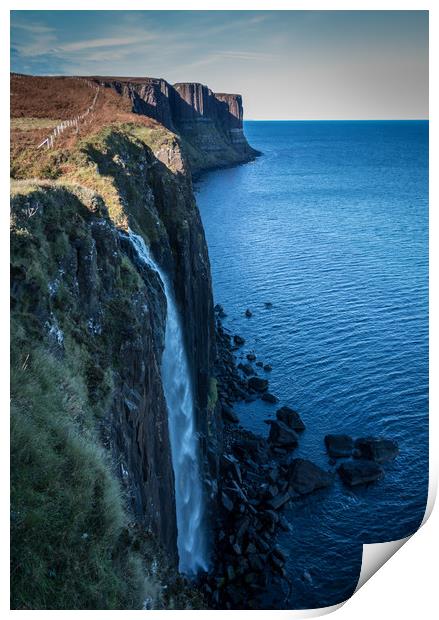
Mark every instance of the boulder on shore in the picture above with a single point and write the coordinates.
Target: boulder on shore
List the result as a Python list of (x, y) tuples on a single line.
[(251, 357), (228, 414), (291, 418), (238, 340), (339, 446), (247, 369), (305, 477), (358, 472), (258, 384), (376, 449), (281, 435)]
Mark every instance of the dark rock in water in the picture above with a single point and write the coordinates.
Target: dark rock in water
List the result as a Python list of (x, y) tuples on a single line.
[(282, 435), (269, 398), (278, 501), (228, 414), (260, 364), (238, 340), (268, 304), (376, 449), (358, 472), (305, 477), (251, 357), (339, 446), (277, 551), (247, 369), (291, 418), (220, 311), (250, 447), (284, 524), (268, 367), (258, 384), (248, 313)]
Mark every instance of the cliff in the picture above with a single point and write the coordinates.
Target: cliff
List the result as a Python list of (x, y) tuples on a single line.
[(93, 503), (210, 124)]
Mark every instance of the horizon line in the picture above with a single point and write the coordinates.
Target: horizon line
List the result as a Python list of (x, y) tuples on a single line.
[(334, 120)]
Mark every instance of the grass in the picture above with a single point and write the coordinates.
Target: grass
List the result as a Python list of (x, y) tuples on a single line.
[(68, 515), (73, 542), (30, 124)]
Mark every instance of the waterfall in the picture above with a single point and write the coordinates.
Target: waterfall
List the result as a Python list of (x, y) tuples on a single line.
[(177, 386)]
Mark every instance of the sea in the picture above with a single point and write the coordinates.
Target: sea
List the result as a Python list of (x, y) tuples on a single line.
[(329, 228)]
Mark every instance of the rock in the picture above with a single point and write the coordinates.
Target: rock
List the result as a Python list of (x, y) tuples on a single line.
[(268, 304), (268, 367), (376, 449), (277, 551), (247, 369), (251, 357), (276, 562), (269, 518), (282, 435), (339, 446), (220, 311), (272, 491), (228, 414), (358, 472), (291, 418), (269, 398), (226, 502), (231, 465), (263, 546), (242, 529), (280, 500), (248, 313), (251, 549), (284, 524), (306, 477), (238, 340), (258, 384)]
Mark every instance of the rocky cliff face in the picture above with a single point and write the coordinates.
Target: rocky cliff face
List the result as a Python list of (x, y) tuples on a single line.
[(83, 302), (210, 124), (79, 289)]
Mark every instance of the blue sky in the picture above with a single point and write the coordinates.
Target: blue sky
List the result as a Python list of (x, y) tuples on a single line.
[(286, 64)]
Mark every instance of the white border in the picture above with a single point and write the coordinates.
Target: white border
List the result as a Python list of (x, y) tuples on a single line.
[(406, 586)]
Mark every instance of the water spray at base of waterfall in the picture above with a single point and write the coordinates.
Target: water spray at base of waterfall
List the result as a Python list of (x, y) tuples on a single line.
[(178, 390)]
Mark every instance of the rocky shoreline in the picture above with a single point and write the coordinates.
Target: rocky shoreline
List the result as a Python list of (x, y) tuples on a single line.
[(259, 478)]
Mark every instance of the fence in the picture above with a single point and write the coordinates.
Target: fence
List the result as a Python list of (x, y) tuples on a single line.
[(74, 122)]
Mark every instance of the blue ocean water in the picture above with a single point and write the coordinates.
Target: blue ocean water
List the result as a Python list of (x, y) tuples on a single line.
[(330, 224)]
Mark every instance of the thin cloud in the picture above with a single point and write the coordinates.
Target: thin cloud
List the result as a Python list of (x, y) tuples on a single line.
[(244, 55), (79, 46), (35, 28)]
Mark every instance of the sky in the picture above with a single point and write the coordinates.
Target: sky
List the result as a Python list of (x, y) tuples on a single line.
[(285, 64)]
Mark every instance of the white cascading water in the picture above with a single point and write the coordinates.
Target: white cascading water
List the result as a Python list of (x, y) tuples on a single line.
[(177, 386)]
